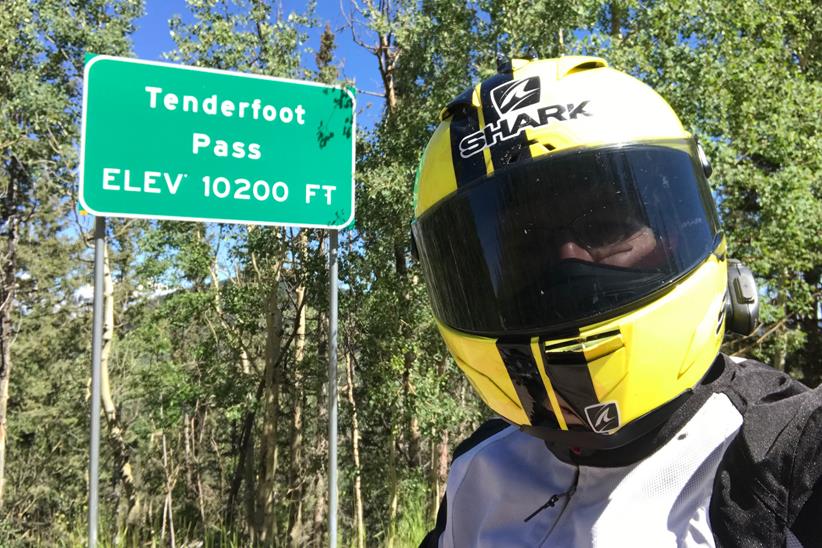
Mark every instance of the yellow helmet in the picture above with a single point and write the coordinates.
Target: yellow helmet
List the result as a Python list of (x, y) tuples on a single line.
[(572, 250)]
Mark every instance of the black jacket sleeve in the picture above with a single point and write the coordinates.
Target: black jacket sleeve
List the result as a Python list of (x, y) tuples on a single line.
[(807, 527), (770, 477), (806, 503)]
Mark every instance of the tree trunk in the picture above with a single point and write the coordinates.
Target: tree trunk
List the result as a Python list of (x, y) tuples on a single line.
[(781, 335), (244, 469), (116, 438), (393, 490), (295, 475), (409, 360), (617, 12), (196, 443), (233, 337), (439, 459), (318, 523), (409, 393), (355, 451), (266, 484), (439, 477), (7, 285), (168, 514), (6, 302), (811, 325), (247, 466), (295, 480)]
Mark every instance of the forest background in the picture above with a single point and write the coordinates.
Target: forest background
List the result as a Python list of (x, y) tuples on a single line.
[(215, 413)]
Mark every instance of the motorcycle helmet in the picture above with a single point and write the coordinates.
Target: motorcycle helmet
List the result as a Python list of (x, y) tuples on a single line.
[(571, 250)]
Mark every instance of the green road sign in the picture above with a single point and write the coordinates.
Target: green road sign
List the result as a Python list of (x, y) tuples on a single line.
[(166, 141)]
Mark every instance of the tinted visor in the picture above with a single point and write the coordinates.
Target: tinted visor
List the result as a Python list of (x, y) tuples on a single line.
[(567, 239)]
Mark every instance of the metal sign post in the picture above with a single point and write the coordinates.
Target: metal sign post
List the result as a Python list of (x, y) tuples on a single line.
[(97, 347), (332, 389), (164, 141)]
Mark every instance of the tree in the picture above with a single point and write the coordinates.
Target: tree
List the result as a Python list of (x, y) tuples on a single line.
[(273, 263), (41, 50), (744, 79), (424, 59)]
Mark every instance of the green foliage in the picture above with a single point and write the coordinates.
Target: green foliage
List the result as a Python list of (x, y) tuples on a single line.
[(413, 522), (742, 76), (42, 43)]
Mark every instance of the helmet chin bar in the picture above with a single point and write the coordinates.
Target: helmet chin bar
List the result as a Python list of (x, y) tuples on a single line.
[(603, 442), (741, 299)]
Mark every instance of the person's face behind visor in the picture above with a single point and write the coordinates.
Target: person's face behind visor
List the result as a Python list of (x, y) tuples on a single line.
[(607, 234), (638, 249), (573, 241)]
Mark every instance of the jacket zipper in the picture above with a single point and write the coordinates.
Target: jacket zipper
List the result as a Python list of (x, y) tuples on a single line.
[(551, 502)]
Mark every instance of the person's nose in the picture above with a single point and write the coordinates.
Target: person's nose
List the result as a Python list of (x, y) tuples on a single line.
[(572, 250)]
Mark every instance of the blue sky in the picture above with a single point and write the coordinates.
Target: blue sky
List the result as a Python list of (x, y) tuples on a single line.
[(152, 39)]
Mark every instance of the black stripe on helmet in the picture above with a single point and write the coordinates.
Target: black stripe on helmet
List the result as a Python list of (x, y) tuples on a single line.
[(570, 377), (510, 150), (522, 368), (464, 122)]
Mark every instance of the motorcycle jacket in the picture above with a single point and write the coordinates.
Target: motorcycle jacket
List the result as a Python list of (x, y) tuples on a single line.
[(737, 464)]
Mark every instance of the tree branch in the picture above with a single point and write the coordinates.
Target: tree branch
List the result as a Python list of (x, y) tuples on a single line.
[(767, 334)]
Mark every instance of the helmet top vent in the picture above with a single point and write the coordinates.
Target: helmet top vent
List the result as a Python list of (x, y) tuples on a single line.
[(572, 65)]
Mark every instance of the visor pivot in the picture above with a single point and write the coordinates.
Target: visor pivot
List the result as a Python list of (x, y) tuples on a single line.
[(707, 168)]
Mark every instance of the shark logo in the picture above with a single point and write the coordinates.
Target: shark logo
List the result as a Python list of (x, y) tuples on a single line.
[(603, 417), (517, 105), (515, 95)]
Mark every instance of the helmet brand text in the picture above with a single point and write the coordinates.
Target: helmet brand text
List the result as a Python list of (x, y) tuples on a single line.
[(508, 128)]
